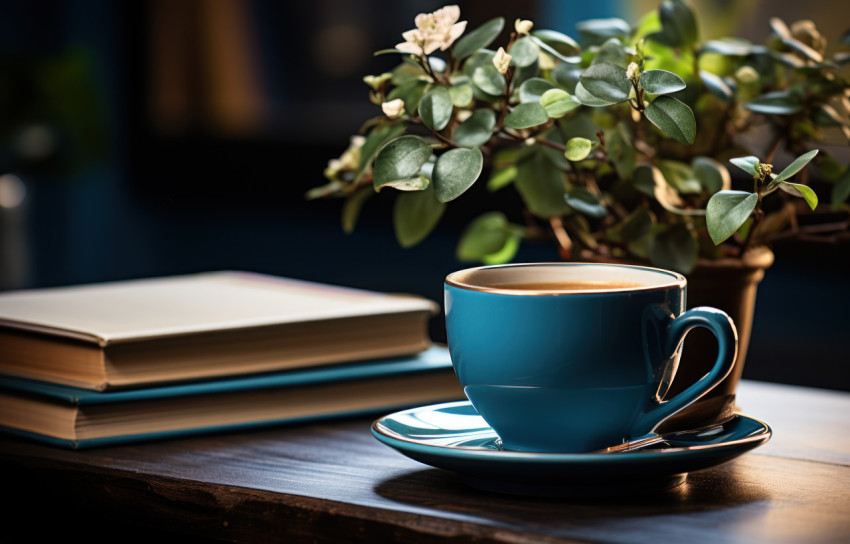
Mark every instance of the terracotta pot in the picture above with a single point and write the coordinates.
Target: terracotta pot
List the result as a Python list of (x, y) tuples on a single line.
[(729, 285)]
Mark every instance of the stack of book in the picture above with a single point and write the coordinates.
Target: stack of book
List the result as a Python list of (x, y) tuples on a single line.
[(101, 364)]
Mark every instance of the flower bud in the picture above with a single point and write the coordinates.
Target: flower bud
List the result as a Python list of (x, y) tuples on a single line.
[(501, 61), (632, 71), (806, 32), (376, 81), (523, 26), (746, 75), (393, 108)]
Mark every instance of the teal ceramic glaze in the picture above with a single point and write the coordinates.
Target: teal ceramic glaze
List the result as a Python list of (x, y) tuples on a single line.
[(453, 436), (575, 371)]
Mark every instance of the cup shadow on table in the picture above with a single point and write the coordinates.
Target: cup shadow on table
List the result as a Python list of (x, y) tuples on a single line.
[(708, 490)]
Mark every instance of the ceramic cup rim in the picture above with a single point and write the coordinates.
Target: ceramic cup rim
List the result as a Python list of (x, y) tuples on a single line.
[(457, 280)]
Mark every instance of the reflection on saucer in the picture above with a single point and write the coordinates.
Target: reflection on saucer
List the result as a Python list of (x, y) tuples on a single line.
[(454, 437)]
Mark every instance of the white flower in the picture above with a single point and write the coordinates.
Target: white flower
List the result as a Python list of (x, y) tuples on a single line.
[(501, 61), (393, 108), (523, 26), (632, 70), (350, 158), (433, 31)]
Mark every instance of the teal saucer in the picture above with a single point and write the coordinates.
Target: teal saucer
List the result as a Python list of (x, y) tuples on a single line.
[(452, 436)]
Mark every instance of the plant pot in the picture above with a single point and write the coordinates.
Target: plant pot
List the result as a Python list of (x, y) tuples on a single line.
[(729, 285)]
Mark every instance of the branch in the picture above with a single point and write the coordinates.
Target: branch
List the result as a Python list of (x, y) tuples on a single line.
[(565, 245)]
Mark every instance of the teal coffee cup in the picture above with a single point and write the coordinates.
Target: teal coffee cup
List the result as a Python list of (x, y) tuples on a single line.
[(574, 357)]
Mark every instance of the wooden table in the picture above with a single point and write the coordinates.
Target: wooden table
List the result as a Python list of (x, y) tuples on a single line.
[(333, 482)]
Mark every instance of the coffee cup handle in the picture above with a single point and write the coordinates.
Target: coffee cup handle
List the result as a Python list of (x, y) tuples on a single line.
[(723, 328)]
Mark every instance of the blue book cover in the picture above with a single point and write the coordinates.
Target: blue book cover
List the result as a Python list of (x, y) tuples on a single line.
[(80, 418)]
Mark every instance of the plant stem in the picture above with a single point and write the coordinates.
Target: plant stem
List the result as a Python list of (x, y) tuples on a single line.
[(553, 145), (758, 214), (444, 139), (565, 244)]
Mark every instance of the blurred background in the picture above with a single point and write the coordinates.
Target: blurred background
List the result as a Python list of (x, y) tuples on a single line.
[(160, 137)]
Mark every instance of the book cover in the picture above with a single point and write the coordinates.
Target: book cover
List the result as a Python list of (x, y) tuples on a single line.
[(161, 330), (81, 418)]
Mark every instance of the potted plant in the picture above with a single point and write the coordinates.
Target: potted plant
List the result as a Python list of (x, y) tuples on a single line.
[(616, 145)]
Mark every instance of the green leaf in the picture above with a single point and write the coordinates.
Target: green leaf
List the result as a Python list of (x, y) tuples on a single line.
[(644, 179), (476, 130), (606, 82), (680, 176), (487, 238), (399, 160), (388, 52), (558, 102), (461, 95), (351, 208), (803, 191), (455, 172), (479, 38), (841, 189), (716, 86), (435, 108), (775, 103), (661, 82), (577, 149), (727, 211), (411, 92), (747, 164), (561, 43), (612, 52), (566, 76), (588, 99), (796, 166), (825, 115), (712, 175), (583, 201), (532, 89), (731, 47), (541, 186), (521, 73), (406, 73), (597, 31), (506, 253), (524, 52), (673, 117), (621, 151), (482, 57), (674, 249), (416, 183), (555, 51), (501, 178), (488, 79), (678, 22), (636, 225), (526, 115), (376, 139), (415, 214)]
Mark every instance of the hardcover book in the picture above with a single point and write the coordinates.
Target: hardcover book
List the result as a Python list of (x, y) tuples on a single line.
[(81, 418), (153, 331)]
